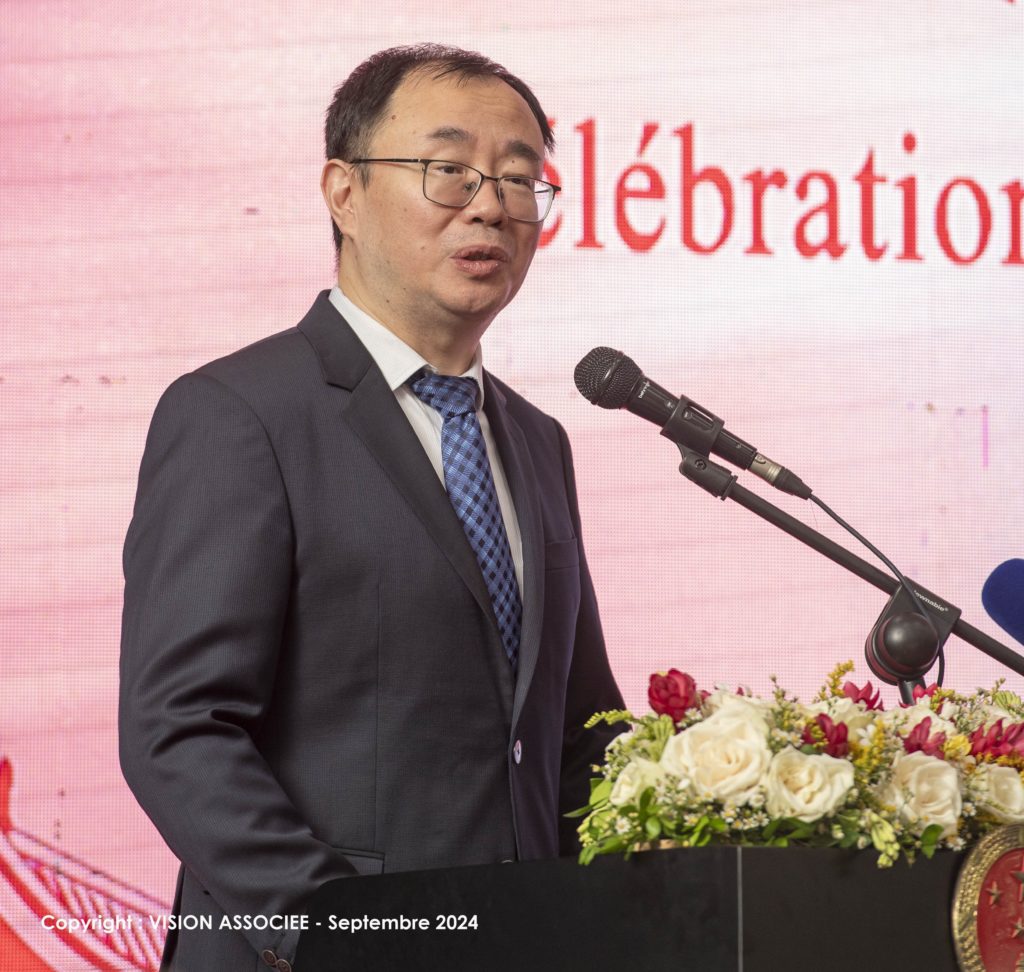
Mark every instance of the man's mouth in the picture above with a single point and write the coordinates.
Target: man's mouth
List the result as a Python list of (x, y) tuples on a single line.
[(482, 253), (480, 261)]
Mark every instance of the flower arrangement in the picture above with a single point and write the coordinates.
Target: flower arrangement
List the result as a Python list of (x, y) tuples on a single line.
[(728, 767)]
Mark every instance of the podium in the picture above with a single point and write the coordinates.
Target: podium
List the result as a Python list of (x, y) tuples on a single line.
[(688, 910)]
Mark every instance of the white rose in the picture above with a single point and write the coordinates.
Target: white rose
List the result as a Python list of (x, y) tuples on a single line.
[(724, 757), (925, 790), (638, 775), (855, 715), (806, 787), (745, 706), (1000, 792)]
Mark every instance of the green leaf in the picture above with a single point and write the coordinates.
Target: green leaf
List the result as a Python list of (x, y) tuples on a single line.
[(600, 790), (653, 827), (800, 830), (613, 845)]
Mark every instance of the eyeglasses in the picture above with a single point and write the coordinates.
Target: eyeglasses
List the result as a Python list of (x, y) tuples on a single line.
[(454, 185)]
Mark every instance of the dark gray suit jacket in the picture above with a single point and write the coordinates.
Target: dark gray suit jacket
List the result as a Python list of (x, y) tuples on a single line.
[(312, 680)]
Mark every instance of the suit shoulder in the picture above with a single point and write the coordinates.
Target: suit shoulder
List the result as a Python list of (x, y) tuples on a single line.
[(276, 358)]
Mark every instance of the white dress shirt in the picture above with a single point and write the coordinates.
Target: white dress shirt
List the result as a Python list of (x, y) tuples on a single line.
[(398, 363)]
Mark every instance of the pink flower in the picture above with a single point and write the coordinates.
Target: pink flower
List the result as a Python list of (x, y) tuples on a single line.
[(868, 695), (672, 694), (998, 741), (919, 741), (831, 737)]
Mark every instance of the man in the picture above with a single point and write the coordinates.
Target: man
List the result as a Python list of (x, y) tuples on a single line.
[(332, 664)]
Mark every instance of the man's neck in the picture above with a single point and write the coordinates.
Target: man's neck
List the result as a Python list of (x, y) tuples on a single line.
[(450, 349)]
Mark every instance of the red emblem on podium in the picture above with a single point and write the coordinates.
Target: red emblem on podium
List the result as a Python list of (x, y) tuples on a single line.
[(988, 904)]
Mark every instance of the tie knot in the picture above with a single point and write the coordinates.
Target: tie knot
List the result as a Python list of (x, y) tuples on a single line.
[(447, 394)]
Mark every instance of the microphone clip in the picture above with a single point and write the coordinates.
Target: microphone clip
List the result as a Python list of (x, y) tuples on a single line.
[(708, 475), (693, 427)]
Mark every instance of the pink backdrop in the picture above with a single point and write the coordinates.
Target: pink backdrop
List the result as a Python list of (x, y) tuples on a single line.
[(806, 216)]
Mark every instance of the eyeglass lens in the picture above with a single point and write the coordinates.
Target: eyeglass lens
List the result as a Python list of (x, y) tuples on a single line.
[(451, 184)]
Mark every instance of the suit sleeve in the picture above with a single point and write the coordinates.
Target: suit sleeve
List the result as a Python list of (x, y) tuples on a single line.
[(591, 687), (207, 565)]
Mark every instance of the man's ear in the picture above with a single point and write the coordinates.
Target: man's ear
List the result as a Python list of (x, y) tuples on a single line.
[(337, 183)]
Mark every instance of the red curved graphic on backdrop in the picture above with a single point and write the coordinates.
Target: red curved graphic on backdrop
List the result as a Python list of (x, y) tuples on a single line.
[(42, 887)]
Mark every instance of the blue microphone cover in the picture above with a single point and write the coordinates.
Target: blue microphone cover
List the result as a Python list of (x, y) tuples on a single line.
[(1003, 597)]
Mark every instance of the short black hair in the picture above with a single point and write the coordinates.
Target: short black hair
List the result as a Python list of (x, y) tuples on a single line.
[(362, 100)]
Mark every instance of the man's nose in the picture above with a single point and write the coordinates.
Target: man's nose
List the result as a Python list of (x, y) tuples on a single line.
[(486, 204)]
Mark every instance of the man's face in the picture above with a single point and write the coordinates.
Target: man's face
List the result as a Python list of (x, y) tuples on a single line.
[(413, 263)]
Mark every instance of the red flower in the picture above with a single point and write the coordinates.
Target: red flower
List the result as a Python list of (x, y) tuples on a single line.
[(868, 695), (672, 694), (831, 737), (919, 741), (998, 741)]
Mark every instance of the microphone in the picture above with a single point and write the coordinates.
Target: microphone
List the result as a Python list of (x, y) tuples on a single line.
[(610, 379), (1003, 597)]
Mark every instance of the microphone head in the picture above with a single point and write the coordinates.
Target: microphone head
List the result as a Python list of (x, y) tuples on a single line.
[(1003, 597), (606, 377)]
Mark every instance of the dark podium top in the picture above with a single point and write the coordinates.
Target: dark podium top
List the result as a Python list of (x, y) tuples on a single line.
[(707, 909)]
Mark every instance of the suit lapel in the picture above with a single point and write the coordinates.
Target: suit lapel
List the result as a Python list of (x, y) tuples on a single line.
[(522, 481), (378, 420)]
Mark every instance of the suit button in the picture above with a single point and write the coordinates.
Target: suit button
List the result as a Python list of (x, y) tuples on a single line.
[(283, 965), (517, 752), (269, 956)]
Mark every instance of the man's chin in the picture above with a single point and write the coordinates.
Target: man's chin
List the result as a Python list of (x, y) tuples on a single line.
[(477, 305)]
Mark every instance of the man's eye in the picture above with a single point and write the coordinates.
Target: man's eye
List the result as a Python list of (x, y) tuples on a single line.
[(519, 182), (450, 169)]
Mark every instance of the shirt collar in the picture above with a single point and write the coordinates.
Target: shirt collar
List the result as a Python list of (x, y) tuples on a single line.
[(397, 361)]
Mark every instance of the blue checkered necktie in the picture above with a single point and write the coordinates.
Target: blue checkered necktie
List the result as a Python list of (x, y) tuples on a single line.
[(470, 485)]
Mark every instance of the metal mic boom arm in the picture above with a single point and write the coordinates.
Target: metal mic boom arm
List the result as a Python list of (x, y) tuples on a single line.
[(718, 481)]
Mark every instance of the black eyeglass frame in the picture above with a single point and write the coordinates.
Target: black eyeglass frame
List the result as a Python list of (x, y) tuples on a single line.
[(497, 180)]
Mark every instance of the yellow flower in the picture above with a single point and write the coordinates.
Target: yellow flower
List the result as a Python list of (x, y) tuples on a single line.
[(833, 687), (957, 748)]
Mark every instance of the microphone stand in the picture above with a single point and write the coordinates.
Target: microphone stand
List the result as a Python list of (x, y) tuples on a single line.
[(720, 482)]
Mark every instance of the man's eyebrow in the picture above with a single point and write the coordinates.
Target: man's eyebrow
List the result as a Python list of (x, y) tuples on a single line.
[(459, 136), (520, 148), (449, 133)]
